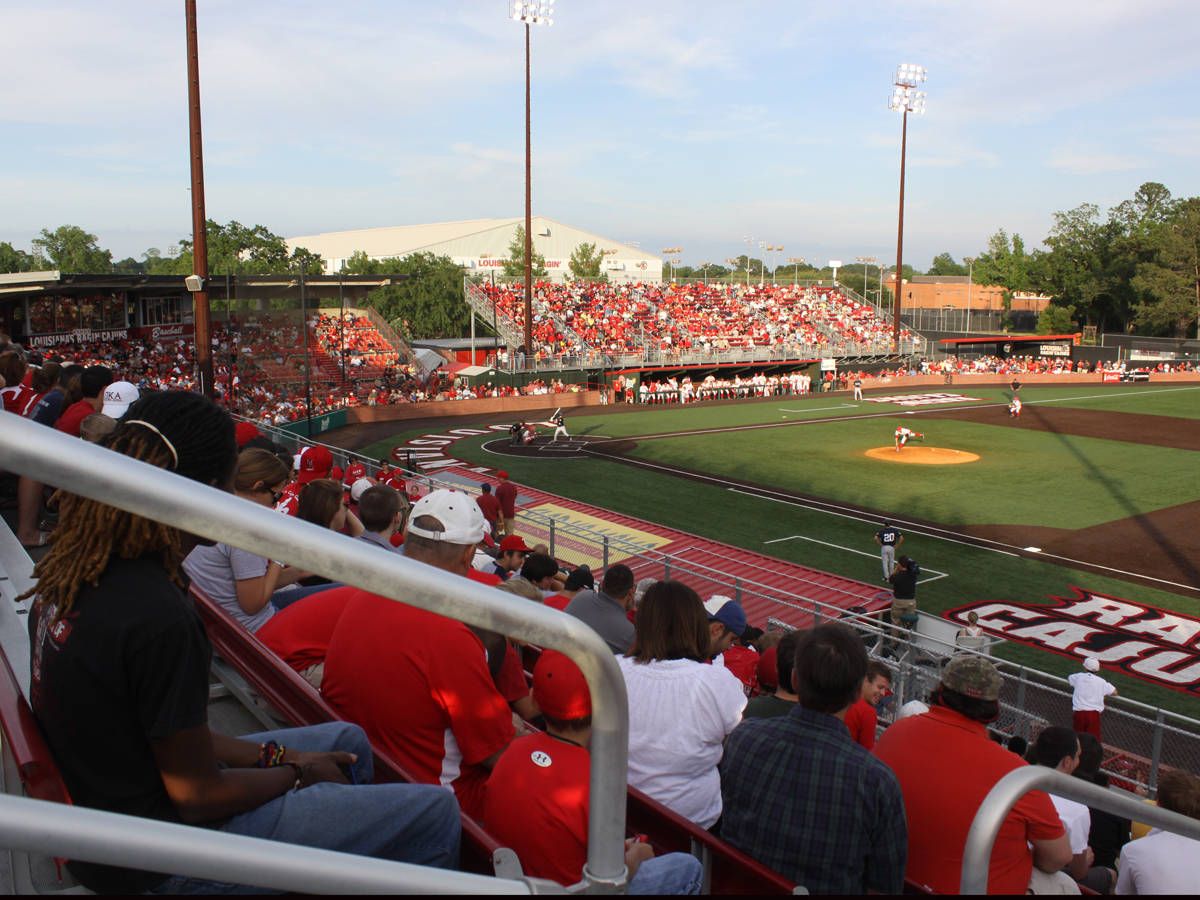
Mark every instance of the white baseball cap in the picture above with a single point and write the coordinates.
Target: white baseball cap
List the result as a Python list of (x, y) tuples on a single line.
[(461, 518), (359, 488), (1091, 664), (118, 397)]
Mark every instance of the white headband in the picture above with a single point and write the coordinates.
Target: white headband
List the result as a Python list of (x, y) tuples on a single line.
[(161, 436)]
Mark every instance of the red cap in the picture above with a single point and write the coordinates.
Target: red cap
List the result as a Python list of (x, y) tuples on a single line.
[(559, 688), (768, 668), (514, 542), (502, 474), (315, 463), (245, 432)]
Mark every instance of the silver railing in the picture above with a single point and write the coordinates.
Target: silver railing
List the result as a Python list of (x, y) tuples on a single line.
[(90, 835), (93, 471), (1000, 800)]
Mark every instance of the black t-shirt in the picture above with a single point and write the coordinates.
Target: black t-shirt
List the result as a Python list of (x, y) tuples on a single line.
[(889, 536), (128, 666), (904, 584)]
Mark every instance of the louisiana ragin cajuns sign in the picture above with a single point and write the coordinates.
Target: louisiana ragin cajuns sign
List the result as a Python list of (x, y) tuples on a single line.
[(1144, 641)]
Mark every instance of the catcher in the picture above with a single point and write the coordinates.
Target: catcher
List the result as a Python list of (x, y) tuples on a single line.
[(904, 435)]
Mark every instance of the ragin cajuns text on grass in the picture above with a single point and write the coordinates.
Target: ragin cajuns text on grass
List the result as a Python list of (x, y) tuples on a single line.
[(1143, 641)]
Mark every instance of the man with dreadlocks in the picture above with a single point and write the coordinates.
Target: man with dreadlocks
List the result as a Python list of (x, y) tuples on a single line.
[(119, 685)]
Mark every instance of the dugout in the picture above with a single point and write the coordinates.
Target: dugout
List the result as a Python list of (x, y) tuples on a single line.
[(44, 309), (1041, 346)]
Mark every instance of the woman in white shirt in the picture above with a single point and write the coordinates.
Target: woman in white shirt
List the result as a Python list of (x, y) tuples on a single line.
[(681, 709), (239, 581)]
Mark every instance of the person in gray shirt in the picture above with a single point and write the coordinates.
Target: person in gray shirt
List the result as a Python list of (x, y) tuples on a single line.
[(606, 609), (382, 512)]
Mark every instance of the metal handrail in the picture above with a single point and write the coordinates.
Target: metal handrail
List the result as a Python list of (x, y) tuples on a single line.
[(977, 852), (53, 457), (92, 835)]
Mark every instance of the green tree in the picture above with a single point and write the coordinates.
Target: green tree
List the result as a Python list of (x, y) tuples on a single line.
[(1055, 320), (1004, 263), (174, 263), (129, 266), (1171, 281), (236, 249), (1080, 270), (514, 266), (585, 262), (427, 304), (71, 249), (14, 260), (944, 264), (1134, 224)]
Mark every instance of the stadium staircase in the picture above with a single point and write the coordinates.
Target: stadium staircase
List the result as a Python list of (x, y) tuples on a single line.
[(487, 312)]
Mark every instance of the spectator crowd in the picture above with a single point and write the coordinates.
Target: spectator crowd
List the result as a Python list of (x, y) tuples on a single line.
[(773, 741)]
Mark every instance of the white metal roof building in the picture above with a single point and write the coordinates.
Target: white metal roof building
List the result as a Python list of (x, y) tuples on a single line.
[(480, 246)]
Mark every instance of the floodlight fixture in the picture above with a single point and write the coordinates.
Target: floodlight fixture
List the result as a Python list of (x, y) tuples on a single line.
[(532, 12)]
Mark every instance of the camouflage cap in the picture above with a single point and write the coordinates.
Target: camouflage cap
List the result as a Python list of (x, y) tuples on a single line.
[(972, 676)]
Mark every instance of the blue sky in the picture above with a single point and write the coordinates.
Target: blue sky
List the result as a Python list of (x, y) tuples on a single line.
[(694, 124)]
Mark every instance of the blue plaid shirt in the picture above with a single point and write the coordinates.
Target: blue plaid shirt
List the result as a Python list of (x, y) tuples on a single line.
[(802, 798)]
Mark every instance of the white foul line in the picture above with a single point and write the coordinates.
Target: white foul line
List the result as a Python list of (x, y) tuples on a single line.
[(978, 543), (819, 408), (800, 537)]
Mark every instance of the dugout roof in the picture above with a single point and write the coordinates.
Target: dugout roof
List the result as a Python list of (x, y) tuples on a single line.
[(1011, 339), (20, 285)]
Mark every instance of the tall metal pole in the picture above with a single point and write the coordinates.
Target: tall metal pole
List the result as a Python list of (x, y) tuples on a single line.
[(307, 359), (342, 326), (900, 238), (201, 312), (528, 213), (970, 278)]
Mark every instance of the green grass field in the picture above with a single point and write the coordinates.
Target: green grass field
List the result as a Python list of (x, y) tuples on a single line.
[(1104, 480)]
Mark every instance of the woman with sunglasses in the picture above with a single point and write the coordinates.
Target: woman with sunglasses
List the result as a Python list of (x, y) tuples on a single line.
[(241, 582)]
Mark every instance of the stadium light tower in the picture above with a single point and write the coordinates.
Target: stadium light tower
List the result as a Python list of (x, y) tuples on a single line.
[(905, 99), (529, 12), (866, 261), (970, 261), (797, 262), (669, 251)]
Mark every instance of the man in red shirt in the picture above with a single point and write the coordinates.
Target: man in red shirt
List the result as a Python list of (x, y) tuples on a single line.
[(861, 719), (299, 634), (92, 383), (418, 682), (946, 764), (537, 796), (489, 505), (506, 493)]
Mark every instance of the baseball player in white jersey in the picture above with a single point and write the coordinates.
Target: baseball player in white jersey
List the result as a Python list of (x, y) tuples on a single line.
[(904, 435)]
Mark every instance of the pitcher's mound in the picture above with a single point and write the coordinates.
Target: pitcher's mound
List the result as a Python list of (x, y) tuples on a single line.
[(923, 456)]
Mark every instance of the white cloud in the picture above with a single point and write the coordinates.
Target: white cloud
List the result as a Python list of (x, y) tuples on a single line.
[(1083, 161)]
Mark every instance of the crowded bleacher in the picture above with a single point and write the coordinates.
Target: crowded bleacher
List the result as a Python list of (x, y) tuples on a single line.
[(716, 318)]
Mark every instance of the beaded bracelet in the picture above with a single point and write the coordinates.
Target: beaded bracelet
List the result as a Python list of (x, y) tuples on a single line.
[(270, 755)]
